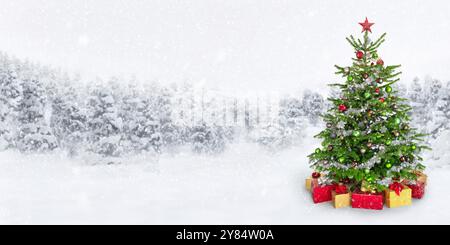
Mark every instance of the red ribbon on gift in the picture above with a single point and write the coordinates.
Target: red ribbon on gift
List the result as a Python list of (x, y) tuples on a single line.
[(340, 189), (397, 187)]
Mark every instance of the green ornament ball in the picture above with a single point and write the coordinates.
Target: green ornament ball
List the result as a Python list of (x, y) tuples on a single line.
[(356, 133), (367, 171), (349, 78), (388, 89), (388, 142), (318, 150), (397, 121), (413, 147), (367, 95), (341, 159), (388, 165)]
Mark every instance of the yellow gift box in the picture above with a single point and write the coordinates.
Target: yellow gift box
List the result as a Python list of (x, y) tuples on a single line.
[(308, 183), (368, 187), (393, 200), (341, 200)]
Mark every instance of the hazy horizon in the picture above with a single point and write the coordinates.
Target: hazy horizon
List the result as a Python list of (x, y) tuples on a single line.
[(232, 45)]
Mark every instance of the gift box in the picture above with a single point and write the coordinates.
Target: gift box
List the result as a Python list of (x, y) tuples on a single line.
[(341, 200), (340, 196), (398, 195), (322, 193), (421, 177), (417, 190), (367, 200), (308, 183), (314, 183), (367, 187)]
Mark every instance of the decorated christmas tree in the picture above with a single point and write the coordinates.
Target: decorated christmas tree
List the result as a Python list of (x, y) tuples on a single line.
[(368, 143)]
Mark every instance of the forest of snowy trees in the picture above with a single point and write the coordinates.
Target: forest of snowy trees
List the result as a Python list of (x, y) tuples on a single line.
[(43, 109)]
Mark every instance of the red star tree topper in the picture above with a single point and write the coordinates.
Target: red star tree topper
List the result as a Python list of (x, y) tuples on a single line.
[(366, 25)]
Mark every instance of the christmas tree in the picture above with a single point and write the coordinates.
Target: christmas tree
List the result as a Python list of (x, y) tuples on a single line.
[(368, 142)]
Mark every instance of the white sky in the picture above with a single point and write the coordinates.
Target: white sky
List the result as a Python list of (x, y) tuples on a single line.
[(236, 44)]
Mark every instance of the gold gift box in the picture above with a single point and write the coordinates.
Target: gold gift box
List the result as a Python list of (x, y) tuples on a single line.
[(393, 200), (308, 183), (367, 187), (341, 200), (421, 177)]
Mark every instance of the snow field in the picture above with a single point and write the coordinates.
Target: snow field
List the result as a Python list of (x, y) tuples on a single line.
[(243, 186)]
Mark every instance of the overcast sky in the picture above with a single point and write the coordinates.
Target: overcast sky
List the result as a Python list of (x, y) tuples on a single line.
[(236, 44)]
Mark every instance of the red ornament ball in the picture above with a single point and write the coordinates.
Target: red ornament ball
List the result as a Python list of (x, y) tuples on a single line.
[(377, 90), (382, 100), (342, 107), (380, 62), (315, 175), (359, 55)]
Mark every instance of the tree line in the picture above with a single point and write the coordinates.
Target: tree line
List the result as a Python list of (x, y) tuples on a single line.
[(44, 109)]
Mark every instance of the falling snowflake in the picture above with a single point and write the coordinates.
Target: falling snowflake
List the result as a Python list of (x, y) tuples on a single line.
[(83, 40)]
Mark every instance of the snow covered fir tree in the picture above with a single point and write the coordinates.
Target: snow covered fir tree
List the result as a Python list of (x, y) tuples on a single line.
[(33, 133), (10, 94), (43, 109), (68, 120), (368, 144)]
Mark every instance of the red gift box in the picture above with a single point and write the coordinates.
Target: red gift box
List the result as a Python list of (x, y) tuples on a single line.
[(418, 190), (367, 200), (340, 189), (322, 193)]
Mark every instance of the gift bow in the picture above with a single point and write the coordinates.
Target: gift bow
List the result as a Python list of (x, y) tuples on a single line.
[(340, 189), (397, 187)]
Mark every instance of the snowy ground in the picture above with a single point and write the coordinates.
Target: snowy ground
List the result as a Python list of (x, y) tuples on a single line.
[(244, 186)]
